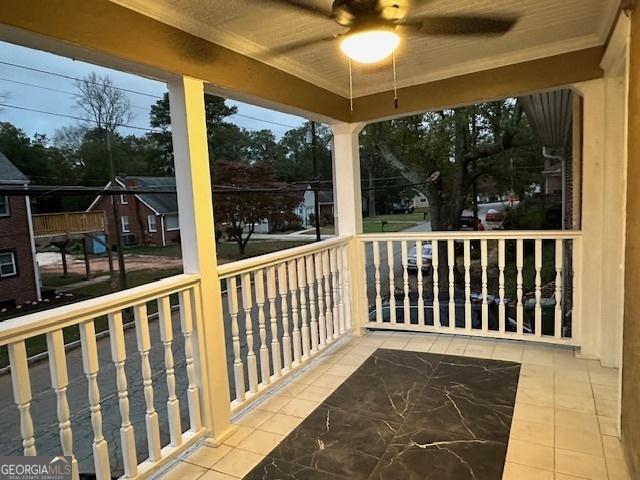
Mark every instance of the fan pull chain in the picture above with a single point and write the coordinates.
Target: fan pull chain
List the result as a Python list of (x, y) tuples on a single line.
[(395, 84), (350, 85)]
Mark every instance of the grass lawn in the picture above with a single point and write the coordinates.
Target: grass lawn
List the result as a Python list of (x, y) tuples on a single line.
[(399, 217), (55, 279), (228, 251), (168, 251)]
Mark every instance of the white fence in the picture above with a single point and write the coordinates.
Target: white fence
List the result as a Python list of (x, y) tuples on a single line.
[(519, 285), (283, 309), (180, 293)]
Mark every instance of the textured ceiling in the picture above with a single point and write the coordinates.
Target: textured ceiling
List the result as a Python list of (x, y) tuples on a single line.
[(253, 27)]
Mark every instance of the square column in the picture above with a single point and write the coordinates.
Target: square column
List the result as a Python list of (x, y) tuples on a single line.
[(197, 235), (347, 204)]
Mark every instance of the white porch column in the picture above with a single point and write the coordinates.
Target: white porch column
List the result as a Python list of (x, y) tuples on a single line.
[(347, 212), (197, 234)]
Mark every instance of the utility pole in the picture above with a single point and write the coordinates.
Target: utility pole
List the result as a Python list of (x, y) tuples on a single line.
[(116, 219), (316, 181)]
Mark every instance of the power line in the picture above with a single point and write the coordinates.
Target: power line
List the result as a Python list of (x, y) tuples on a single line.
[(263, 120), (55, 90), (73, 117), (68, 77)]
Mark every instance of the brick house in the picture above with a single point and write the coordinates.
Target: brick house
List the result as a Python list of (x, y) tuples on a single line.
[(19, 278), (145, 218)]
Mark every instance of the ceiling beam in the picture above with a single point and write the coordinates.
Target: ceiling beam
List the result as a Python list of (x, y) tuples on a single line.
[(494, 84), (101, 28)]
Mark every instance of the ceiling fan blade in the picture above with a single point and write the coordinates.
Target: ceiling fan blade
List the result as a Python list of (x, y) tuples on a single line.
[(300, 45), (464, 25), (304, 8)]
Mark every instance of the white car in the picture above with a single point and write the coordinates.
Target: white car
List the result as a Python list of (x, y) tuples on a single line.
[(427, 256)]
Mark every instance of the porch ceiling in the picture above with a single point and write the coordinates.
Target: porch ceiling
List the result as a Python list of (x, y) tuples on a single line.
[(255, 27), (223, 42)]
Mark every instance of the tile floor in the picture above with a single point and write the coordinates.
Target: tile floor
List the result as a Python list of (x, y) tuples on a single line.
[(563, 427)]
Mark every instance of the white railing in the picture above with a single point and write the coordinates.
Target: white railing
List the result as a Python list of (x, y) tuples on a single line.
[(177, 303), (282, 310), (520, 285)]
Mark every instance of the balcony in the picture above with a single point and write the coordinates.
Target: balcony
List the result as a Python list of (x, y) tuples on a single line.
[(497, 356), (131, 395)]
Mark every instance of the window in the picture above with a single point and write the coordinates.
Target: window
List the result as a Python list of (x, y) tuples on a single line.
[(124, 221), (8, 264), (173, 222), (123, 200), (151, 223), (4, 206)]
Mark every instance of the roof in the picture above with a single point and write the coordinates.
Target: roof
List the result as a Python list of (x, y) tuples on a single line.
[(160, 202), (9, 173)]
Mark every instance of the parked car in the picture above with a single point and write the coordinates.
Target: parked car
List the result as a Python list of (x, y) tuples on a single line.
[(402, 207), (494, 215), (427, 257)]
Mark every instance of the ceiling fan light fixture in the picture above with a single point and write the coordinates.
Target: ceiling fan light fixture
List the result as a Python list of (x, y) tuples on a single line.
[(370, 46)]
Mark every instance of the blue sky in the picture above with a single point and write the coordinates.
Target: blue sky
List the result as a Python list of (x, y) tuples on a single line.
[(26, 96)]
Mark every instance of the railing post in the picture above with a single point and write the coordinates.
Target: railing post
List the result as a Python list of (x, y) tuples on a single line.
[(348, 213), (197, 234)]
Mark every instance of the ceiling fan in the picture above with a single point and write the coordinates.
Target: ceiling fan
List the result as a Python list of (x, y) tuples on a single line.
[(373, 27)]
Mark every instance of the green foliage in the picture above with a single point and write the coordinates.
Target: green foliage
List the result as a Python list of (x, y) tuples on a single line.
[(533, 214)]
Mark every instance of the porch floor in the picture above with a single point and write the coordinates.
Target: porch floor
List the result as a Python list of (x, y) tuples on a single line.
[(563, 424)]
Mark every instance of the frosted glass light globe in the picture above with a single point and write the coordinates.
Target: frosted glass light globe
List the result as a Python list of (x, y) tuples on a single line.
[(370, 46)]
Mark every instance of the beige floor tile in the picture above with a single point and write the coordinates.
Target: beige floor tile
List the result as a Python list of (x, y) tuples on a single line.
[(293, 388), (537, 382), (538, 433), (183, 470), (612, 448), (539, 356), (260, 441), (507, 353), (605, 392), (572, 375), (254, 418), (577, 421), (617, 470), (580, 465), (420, 345), (396, 342), (363, 350), (213, 475), (341, 370), (441, 344), (608, 426), (238, 462), (299, 407), (577, 389), (329, 381), (604, 377), (578, 441), (534, 370), (315, 393), (281, 423), (535, 396), (607, 408), (514, 471), (479, 351), (533, 413), (564, 476), (206, 456), (457, 346), (577, 404), (526, 453), (240, 433), (308, 376), (351, 360), (274, 403)]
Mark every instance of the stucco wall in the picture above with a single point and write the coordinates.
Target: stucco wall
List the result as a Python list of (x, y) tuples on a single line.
[(630, 426)]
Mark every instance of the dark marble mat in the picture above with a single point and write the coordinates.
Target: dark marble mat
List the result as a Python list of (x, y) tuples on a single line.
[(407, 416)]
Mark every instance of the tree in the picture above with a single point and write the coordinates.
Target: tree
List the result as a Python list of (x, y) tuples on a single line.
[(102, 104), (240, 210), (446, 152)]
